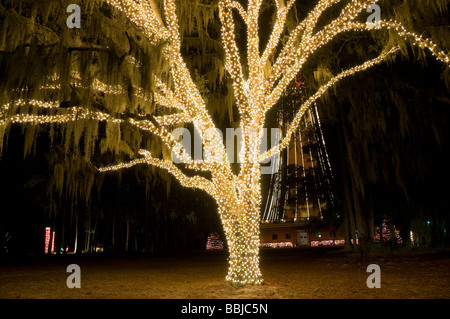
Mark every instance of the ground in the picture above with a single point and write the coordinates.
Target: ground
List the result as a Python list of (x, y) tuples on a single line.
[(290, 273)]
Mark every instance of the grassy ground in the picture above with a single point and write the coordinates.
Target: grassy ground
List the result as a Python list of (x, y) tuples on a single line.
[(290, 273)]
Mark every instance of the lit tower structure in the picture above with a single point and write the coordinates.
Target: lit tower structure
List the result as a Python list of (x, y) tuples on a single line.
[(301, 186)]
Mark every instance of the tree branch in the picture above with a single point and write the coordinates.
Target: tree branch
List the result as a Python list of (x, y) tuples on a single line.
[(232, 59), (143, 14), (294, 124), (236, 5), (341, 24), (187, 95), (278, 27), (192, 182), (77, 114), (294, 46)]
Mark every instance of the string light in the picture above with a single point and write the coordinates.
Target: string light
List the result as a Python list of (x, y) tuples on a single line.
[(214, 242), (238, 196), (96, 85), (292, 127)]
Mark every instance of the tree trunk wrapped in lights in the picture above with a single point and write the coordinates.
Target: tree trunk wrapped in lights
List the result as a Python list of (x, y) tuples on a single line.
[(256, 88)]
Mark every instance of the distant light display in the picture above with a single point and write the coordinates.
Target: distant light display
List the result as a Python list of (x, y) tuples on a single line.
[(214, 242), (53, 243), (277, 245), (47, 239), (386, 235), (337, 242)]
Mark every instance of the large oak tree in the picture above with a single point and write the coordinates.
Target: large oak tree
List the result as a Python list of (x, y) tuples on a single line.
[(143, 68)]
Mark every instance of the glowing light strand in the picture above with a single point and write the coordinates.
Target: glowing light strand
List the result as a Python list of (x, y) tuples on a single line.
[(191, 182), (238, 197), (293, 125)]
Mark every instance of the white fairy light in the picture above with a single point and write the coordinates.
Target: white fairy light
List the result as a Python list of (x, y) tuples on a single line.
[(238, 196)]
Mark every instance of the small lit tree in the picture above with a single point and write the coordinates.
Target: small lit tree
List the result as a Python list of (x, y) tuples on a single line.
[(257, 85)]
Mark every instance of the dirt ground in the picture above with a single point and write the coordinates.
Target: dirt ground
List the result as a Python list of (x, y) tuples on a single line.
[(289, 273)]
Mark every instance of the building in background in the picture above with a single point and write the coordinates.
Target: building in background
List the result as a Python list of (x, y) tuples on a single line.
[(301, 190)]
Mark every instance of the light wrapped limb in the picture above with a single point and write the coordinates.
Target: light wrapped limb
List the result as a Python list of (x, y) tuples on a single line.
[(294, 124), (232, 59), (413, 38), (329, 32), (192, 182), (197, 115), (185, 91), (72, 114), (144, 15), (255, 68), (290, 55), (173, 145), (294, 43), (236, 5), (314, 15), (78, 114), (282, 11)]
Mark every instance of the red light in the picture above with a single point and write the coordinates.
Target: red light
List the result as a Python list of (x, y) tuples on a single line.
[(47, 239), (53, 243)]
